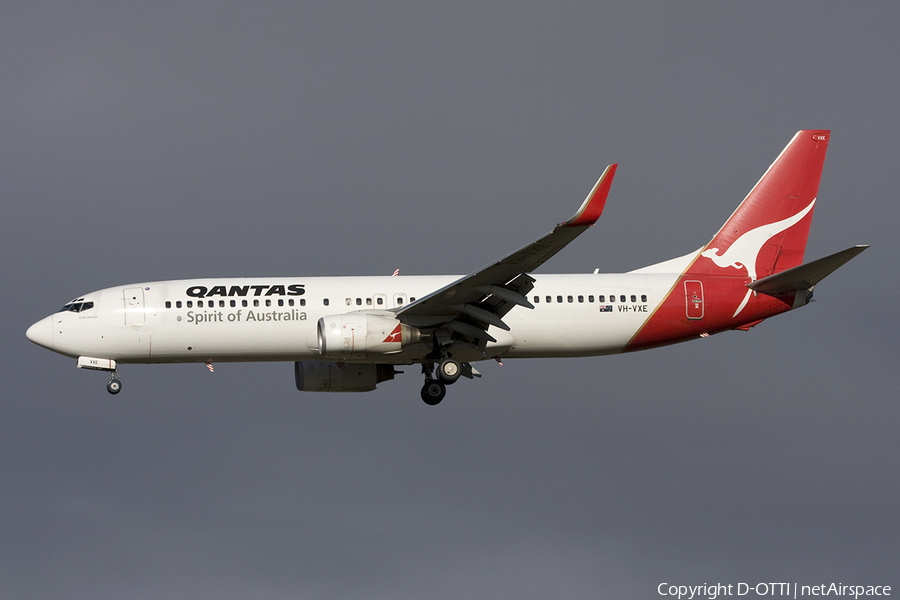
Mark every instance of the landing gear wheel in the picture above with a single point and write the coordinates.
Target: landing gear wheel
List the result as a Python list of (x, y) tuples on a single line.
[(433, 392), (449, 371), (114, 386)]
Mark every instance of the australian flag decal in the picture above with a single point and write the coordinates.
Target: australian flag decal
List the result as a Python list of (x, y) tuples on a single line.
[(606, 308)]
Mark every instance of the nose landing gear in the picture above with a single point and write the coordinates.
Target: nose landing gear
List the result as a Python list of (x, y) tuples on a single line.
[(114, 386)]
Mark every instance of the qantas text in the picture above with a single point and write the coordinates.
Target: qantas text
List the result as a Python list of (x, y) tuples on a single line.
[(201, 291)]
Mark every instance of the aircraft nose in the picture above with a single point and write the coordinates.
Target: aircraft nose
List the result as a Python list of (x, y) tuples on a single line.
[(41, 333)]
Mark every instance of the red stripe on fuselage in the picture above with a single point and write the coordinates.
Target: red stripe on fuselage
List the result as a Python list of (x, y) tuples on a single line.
[(670, 323)]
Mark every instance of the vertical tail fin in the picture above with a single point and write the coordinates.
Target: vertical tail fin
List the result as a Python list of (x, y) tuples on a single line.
[(768, 231), (765, 235)]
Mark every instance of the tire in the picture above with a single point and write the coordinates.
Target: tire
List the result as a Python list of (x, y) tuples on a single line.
[(114, 386), (433, 392), (449, 371)]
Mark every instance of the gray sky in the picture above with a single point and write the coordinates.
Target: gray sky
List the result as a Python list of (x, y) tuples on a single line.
[(191, 139)]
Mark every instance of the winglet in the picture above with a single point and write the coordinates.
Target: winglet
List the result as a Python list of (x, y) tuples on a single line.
[(593, 205)]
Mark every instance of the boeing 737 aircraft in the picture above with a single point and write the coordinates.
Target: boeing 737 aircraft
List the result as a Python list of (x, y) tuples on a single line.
[(347, 334)]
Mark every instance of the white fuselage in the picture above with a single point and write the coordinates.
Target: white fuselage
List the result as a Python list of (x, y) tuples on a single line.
[(169, 321)]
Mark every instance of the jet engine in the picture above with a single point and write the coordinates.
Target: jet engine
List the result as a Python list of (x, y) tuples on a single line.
[(315, 376), (356, 335)]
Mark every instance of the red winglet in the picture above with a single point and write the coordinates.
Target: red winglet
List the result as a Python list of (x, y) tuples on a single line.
[(593, 205)]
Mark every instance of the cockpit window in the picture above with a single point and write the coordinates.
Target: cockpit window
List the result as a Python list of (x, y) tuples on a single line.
[(77, 306)]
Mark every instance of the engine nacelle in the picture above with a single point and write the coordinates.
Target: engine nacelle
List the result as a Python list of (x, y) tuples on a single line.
[(356, 335), (316, 376)]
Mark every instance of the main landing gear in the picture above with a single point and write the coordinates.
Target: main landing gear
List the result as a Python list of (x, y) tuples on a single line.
[(448, 371), (433, 392)]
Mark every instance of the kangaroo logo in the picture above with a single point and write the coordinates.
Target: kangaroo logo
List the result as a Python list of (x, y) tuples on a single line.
[(742, 254), (395, 336)]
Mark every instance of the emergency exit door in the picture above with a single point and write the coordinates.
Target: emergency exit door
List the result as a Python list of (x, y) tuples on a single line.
[(693, 297)]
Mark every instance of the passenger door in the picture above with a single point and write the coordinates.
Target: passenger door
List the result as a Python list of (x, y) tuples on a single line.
[(134, 306)]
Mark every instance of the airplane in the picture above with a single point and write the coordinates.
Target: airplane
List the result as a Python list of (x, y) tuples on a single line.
[(348, 334)]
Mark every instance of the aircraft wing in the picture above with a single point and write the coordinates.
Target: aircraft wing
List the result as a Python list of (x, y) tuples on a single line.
[(472, 303)]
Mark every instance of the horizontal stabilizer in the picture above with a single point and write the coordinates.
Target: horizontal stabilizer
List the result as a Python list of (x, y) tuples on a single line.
[(805, 276)]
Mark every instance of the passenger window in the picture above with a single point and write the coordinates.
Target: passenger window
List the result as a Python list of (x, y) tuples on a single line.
[(581, 298), (379, 301), (412, 298), (168, 304), (633, 298), (537, 299), (178, 304), (349, 301), (643, 297), (359, 301), (612, 298), (601, 298), (559, 299), (244, 303), (549, 299), (570, 299), (590, 298), (325, 301), (368, 302), (233, 303), (290, 301), (268, 302), (622, 298), (190, 304), (302, 301), (256, 303), (221, 304), (280, 302)]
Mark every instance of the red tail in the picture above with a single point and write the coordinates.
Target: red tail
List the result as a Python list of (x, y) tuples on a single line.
[(768, 231), (765, 235)]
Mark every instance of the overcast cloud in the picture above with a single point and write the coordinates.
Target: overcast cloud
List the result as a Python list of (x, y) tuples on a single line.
[(184, 139)]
